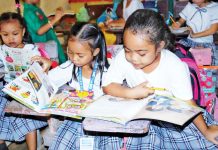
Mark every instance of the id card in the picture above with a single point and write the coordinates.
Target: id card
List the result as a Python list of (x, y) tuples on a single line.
[(87, 143)]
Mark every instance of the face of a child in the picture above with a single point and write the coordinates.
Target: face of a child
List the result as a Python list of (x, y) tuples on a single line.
[(199, 2), (12, 33), (141, 53), (79, 52)]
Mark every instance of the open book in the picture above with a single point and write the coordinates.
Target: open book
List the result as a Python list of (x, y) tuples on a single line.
[(155, 107), (180, 30), (34, 90)]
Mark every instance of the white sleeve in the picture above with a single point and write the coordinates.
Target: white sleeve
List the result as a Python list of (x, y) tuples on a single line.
[(186, 11), (137, 5), (181, 82), (116, 71), (61, 74), (214, 14)]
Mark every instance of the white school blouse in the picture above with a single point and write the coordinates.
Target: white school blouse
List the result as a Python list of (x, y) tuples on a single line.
[(134, 5), (171, 73), (63, 74), (200, 19)]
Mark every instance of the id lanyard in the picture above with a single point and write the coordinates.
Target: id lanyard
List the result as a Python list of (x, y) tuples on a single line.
[(92, 79)]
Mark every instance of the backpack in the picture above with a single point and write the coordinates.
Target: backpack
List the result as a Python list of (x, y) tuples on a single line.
[(183, 53)]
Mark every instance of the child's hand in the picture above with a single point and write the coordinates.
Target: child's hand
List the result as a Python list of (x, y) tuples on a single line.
[(212, 134), (192, 34), (44, 62), (141, 91), (176, 25), (59, 13)]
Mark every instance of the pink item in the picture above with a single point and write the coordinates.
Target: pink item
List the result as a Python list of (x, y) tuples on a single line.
[(42, 50), (202, 55)]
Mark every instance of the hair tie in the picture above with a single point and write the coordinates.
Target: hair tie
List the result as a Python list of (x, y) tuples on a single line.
[(18, 5)]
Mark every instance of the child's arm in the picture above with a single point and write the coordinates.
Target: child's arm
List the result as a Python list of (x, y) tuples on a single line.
[(178, 23), (138, 92), (58, 15), (212, 30), (210, 132)]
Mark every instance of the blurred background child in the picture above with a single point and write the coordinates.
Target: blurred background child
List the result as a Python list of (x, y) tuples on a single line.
[(40, 28), (202, 18)]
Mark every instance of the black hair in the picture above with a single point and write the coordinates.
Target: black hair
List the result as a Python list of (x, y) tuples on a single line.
[(8, 16), (207, 1), (93, 35), (150, 24)]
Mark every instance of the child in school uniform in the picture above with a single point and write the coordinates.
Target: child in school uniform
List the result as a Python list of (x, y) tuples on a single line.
[(83, 71), (145, 62), (129, 6), (202, 18), (12, 29)]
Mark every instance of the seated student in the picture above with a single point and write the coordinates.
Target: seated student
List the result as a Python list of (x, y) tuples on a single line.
[(13, 29), (146, 62), (128, 7), (202, 19), (84, 71)]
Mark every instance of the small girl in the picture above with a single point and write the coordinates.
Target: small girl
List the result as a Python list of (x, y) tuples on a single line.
[(202, 18), (129, 6), (146, 62), (84, 72), (39, 27), (15, 57)]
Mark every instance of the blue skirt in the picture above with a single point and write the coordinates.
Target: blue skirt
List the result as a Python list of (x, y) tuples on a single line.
[(68, 137), (189, 43), (15, 128), (161, 136)]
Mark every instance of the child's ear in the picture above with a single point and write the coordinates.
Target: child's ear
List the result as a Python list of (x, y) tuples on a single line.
[(161, 45), (96, 51)]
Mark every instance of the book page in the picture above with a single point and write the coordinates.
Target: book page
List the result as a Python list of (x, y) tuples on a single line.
[(168, 109), (154, 107), (43, 88), (16, 60), (21, 90), (114, 109), (67, 103), (180, 30), (32, 88)]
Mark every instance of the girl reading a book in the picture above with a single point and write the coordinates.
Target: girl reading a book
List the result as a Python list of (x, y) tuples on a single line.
[(15, 57), (84, 72), (145, 62)]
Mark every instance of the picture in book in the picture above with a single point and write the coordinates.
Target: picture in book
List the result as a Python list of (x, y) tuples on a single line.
[(15, 60), (34, 90), (155, 107)]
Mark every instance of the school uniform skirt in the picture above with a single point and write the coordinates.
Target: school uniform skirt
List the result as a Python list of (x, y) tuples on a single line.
[(161, 136), (68, 137), (189, 43), (15, 128)]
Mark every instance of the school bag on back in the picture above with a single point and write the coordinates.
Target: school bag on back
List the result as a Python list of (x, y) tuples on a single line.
[(183, 53)]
